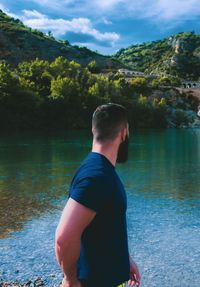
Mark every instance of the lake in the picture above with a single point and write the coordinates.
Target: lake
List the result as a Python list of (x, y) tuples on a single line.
[(162, 180)]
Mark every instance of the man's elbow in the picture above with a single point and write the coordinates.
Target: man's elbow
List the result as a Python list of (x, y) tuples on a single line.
[(64, 244), (61, 239), (60, 242), (64, 239)]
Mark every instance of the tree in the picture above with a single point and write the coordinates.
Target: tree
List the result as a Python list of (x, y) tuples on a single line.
[(93, 67), (143, 100), (162, 103), (65, 89), (8, 82), (19, 106), (50, 34), (35, 75), (139, 83)]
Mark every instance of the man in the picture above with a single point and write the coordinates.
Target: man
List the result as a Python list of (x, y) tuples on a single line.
[(91, 237)]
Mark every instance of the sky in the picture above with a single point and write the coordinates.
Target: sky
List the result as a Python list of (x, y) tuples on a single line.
[(107, 26)]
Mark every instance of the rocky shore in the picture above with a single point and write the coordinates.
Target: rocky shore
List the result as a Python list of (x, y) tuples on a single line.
[(39, 282)]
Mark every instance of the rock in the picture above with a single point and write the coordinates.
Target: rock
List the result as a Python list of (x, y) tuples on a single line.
[(195, 124), (38, 282), (182, 118)]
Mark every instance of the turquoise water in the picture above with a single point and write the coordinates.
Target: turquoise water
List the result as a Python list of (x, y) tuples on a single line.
[(162, 180)]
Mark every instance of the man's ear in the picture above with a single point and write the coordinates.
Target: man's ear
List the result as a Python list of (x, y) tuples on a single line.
[(123, 134), (128, 129)]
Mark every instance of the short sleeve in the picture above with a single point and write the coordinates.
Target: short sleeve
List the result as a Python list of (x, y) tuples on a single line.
[(90, 192)]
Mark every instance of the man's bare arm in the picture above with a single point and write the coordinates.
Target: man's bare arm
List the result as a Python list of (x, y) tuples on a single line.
[(75, 218)]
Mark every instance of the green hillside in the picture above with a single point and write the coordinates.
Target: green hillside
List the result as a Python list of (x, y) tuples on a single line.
[(21, 43), (178, 55)]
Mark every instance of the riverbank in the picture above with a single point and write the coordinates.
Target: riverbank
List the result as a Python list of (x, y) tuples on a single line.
[(39, 282)]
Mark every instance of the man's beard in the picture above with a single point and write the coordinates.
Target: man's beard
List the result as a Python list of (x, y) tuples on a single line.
[(122, 155)]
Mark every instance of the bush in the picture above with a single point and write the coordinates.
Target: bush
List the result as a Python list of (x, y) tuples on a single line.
[(139, 84), (180, 118)]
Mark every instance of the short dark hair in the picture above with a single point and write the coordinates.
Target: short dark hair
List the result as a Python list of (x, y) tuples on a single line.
[(108, 120)]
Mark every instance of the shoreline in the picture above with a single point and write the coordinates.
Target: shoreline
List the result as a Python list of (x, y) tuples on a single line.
[(39, 282)]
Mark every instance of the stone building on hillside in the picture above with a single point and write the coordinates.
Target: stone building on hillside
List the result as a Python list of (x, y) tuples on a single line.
[(190, 85), (130, 73)]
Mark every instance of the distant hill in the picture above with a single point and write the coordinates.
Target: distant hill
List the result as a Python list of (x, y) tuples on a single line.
[(21, 43), (177, 55)]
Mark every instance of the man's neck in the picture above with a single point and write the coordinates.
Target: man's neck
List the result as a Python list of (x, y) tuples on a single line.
[(109, 150)]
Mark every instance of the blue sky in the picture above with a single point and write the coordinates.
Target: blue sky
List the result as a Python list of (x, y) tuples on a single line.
[(107, 25)]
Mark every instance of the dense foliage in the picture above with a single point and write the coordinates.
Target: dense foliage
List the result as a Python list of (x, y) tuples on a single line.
[(63, 94)]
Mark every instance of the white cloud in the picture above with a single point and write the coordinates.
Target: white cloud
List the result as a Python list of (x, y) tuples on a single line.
[(108, 4), (177, 10), (60, 27), (153, 9), (106, 21), (55, 5), (43, 2), (32, 14), (156, 10), (104, 50)]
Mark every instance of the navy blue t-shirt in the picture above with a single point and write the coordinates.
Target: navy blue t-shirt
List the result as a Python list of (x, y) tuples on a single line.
[(104, 256)]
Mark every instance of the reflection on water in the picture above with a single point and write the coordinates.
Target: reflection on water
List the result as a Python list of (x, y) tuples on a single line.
[(34, 172), (165, 163), (162, 179)]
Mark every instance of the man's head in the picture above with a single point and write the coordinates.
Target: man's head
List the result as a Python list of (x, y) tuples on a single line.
[(110, 122)]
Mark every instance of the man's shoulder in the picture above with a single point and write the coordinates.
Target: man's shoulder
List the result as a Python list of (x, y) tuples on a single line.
[(92, 184), (96, 165), (95, 169)]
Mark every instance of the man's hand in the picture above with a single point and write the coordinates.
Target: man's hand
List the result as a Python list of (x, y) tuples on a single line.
[(134, 274), (65, 283)]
